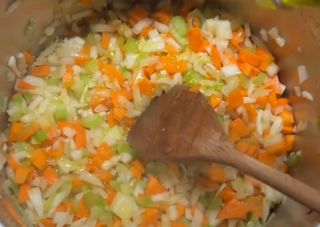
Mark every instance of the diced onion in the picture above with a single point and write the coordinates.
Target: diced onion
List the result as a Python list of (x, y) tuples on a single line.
[(302, 73), (230, 70), (35, 196), (307, 95), (272, 69), (141, 25), (102, 28)]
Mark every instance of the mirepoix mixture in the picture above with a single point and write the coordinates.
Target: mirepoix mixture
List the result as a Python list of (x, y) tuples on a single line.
[(67, 159)]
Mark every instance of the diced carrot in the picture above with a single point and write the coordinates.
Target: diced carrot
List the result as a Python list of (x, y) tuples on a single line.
[(119, 113), (110, 195), (248, 69), (172, 66), (182, 66), (251, 112), (171, 50), (178, 224), (68, 77), (12, 163), (233, 209), (115, 96), (266, 158), (249, 57), (275, 84), (262, 101), (21, 174), (28, 131), (145, 32), (252, 149), (47, 222), (290, 140), (146, 87), (150, 216), (205, 220), (57, 153), (63, 207), (180, 210), (242, 146), (105, 176), (50, 175), (137, 169), (266, 58), (149, 70), (227, 194), (81, 60), (97, 100), (23, 193), (77, 183), (235, 98), (287, 118), (162, 16), (187, 6), (82, 210), (15, 129), (80, 137), (85, 51), (41, 71), (154, 187), (105, 40), (288, 129), (39, 159), (217, 174), (29, 58), (238, 37), (283, 101), (23, 85), (207, 183), (214, 101), (196, 40), (110, 119), (112, 72), (272, 98), (238, 129), (255, 205), (278, 149), (104, 152), (215, 56), (138, 13)]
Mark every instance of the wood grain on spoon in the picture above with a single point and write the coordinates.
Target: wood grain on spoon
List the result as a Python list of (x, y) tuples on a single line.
[(182, 126)]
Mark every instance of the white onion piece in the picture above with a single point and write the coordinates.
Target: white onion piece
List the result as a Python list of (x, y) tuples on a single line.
[(102, 28), (264, 34), (302, 73), (272, 69), (36, 200), (249, 100), (223, 29), (90, 178), (230, 70), (197, 218), (307, 95), (141, 25), (162, 28)]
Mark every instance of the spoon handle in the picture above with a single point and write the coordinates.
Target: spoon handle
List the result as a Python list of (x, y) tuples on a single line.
[(283, 182)]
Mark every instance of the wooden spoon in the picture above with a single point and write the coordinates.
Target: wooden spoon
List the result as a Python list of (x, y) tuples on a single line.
[(182, 126)]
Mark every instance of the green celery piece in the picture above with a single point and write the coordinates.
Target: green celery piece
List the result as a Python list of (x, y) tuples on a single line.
[(61, 111), (125, 148), (141, 56), (259, 79), (145, 202), (115, 185), (104, 216), (293, 159), (25, 147), (53, 81), (91, 39), (92, 121), (192, 78), (40, 136), (179, 24), (126, 72), (131, 46), (19, 107), (91, 199), (92, 66), (87, 80)]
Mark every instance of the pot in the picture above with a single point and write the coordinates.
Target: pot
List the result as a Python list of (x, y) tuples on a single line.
[(301, 29)]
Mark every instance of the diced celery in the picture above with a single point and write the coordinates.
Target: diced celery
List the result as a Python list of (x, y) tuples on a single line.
[(124, 206), (293, 159), (192, 78), (92, 66), (253, 222), (60, 111), (126, 72), (24, 147), (91, 39), (141, 56), (131, 46), (88, 80), (179, 24), (125, 148), (150, 46), (17, 108), (40, 136), (126, 188), (53, 81), (145, 202), (259, 79), (215, 203), (92, 121), (115, 185), (103, 215), (91, 199)]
